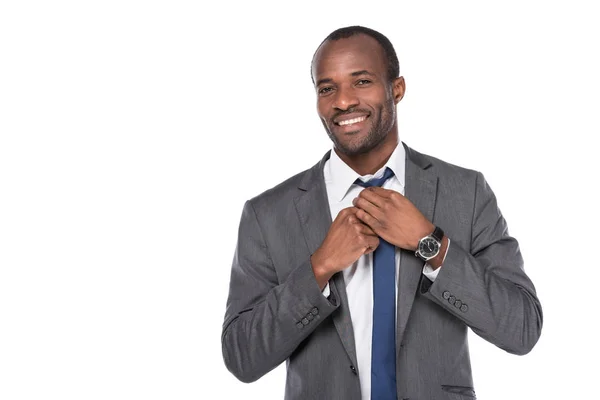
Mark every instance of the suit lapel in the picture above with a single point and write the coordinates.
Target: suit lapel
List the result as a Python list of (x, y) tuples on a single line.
[(312, 206), (420, 189)]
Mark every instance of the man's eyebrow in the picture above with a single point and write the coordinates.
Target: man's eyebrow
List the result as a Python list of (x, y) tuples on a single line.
[(355, 73), (324, 80), (362, 72)]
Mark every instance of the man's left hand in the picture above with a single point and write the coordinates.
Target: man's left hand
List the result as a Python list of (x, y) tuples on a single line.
[(392, 216)]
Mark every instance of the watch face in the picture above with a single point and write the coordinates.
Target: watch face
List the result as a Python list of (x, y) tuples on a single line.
[(429, 247)]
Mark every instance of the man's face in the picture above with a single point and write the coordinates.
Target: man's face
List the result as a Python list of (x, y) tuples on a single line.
[(356, 100)]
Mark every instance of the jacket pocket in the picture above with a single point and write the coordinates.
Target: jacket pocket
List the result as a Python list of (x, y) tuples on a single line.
[(462, 390)]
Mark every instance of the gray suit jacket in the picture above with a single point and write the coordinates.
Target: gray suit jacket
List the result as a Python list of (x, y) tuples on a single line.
[(276, 312)]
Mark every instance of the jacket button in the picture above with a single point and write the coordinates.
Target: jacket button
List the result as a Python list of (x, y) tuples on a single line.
[(314, 311), (464, 308), (310, 317), (451, 299), (446, 295), (458, 304), (353, 369), (305, 321)]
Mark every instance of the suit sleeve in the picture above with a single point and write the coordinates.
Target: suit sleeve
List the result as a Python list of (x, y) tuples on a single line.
[(486, 285), (265, 319)]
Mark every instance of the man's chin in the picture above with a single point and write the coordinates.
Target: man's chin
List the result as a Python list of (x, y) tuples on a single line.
[(352, 143), (350, 149)]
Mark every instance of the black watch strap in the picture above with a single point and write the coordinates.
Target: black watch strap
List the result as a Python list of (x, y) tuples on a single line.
[(438, 234)]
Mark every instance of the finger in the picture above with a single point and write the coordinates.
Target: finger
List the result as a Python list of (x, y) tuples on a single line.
[(360, 227), (372, 244), (365, 229), (369, 250), (368, 219), (372, 197), (385, 193), (347, 215), (364, 204), (347, 211), (352, 219)]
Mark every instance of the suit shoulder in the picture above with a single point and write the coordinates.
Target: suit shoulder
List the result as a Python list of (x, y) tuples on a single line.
[(282, 193)]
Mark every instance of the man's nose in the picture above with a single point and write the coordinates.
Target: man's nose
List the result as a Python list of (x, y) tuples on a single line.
[(345, 99)]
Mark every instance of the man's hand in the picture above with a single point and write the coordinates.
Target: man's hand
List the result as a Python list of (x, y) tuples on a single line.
[(348, 239), (392, 217)]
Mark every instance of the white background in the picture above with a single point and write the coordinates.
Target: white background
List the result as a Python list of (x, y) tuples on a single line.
[(132, 133)]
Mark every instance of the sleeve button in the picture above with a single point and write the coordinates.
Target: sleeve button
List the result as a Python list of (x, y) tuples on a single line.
[(451, 299), (464, 308), (458, 304), (314, 311), (305, 321), (446, 295), (299, 325)]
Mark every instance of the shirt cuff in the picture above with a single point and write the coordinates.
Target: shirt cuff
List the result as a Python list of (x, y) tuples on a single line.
[(326, 291), (428, 270)]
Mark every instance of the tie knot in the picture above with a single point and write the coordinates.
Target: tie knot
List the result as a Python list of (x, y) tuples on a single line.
[(376, 181)]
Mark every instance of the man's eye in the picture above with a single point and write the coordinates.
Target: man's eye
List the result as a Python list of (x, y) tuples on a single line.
[(363, 82), (325, 90)]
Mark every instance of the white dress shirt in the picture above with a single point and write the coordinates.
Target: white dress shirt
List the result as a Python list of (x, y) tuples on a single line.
[(341, 190)]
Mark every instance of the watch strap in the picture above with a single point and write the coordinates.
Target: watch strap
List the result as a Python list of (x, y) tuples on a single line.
[(438, 234)]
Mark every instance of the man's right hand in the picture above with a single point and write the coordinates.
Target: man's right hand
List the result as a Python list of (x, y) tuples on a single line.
[(348, 239)]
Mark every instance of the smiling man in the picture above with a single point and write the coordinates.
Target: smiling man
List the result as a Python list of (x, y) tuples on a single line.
[(365, 271)]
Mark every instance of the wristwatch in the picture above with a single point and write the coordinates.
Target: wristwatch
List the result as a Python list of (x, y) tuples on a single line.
[(430, 245)]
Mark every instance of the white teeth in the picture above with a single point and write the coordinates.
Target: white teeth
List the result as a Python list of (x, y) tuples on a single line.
[(352, 121)]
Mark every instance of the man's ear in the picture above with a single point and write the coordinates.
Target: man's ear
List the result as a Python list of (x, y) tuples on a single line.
[(399, 89)]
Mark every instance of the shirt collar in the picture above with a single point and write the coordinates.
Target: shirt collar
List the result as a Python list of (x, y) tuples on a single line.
[(341, 176)]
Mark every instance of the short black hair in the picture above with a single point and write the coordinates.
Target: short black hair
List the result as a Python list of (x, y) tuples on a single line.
[(393, 66)]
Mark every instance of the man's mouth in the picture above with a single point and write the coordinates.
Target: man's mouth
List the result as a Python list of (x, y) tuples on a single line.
[(351, 121)]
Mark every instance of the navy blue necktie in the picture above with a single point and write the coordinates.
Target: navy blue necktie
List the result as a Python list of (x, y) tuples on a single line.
[(383, 347)]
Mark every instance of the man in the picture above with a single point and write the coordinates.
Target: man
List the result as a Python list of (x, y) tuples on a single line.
[(376, 304)]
